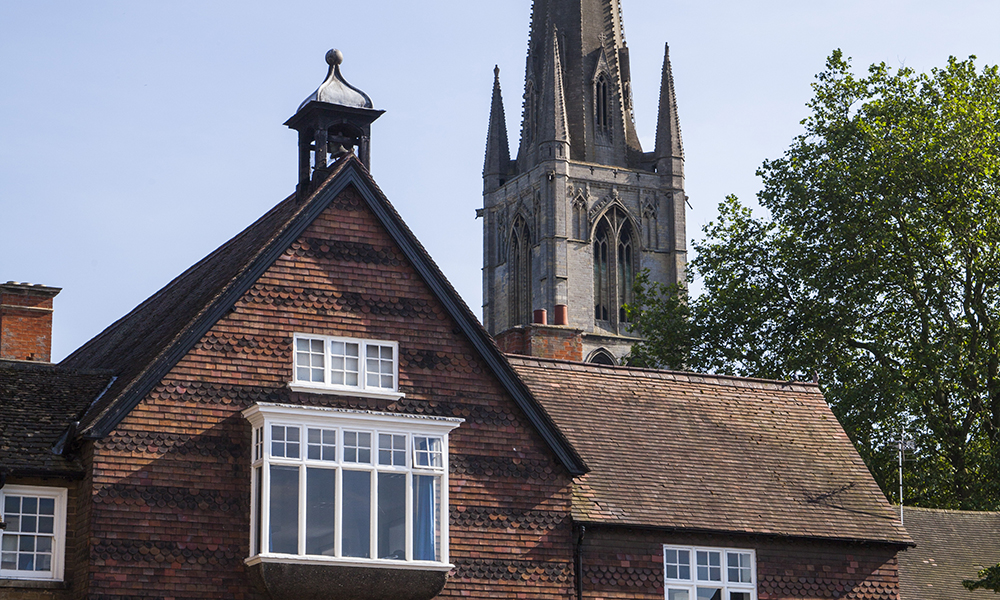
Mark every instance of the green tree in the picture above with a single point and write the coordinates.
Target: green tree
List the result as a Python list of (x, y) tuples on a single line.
[(989, 579), (877, 271)]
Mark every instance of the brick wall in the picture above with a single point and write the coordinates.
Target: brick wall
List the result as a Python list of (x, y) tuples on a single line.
[(621, 563), (543, 341), (26, 321), (170, 513)]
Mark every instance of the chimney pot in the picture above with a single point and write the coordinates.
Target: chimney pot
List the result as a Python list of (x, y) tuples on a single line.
[(561, 315), (541, 316)]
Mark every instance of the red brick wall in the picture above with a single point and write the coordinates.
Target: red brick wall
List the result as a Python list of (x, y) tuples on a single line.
[(170, 513), (543, 341), (622, 563), (25, 324)]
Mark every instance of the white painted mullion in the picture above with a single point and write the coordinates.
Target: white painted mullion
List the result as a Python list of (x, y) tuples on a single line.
[(443, 515)]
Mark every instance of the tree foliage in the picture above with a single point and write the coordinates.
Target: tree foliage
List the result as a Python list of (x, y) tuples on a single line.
[(989, 579), (877, 271)]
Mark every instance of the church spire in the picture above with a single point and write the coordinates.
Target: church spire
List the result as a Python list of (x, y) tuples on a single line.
[(497, 149), (597, 84), (553, 129), (669, 151)]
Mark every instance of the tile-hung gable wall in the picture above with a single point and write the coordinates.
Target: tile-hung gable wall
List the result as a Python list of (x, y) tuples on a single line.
[(171, 510)]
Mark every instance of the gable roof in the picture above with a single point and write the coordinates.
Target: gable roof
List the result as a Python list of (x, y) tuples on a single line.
[(38, 402), (952, 545), (709, 453), (142, 347)]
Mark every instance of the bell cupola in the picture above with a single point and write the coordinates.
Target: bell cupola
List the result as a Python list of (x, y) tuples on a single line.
[(333, 121)]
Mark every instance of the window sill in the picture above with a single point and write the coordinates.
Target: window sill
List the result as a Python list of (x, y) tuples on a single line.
[(289, 579), (38, 584), (349, 562), (358, 393)]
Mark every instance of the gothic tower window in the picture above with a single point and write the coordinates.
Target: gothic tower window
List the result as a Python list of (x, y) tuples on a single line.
[(614, 266), (602, 107), (602, 273), (519, 290)]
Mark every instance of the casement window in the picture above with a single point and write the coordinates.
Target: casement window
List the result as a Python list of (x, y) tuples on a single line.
[(349, 487), (33, 542), (693, 573), (348, 365)]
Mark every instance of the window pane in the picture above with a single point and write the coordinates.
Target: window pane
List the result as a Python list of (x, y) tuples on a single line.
[(356, 519), (358, 447), (46, 506), (284, 512), (739, 595), (678, 595), (427, 517), (309, 360), (344, 363), (392, 516), (320, 510), (709, 593), (392, 449), (379, 366), (12, 504), (738, 564), (46, 524), (428, 451), (322, 444), (678, 564), (709, 565)]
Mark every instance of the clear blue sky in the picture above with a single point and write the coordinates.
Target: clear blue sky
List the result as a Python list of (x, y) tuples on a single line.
[(136, 137)]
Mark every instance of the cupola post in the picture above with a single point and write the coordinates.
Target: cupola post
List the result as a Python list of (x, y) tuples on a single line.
[(332, 122)]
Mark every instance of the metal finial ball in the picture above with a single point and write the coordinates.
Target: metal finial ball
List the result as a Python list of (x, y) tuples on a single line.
[(334, 57)]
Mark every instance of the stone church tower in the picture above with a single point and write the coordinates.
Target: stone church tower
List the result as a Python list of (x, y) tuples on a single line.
[(582, 209)]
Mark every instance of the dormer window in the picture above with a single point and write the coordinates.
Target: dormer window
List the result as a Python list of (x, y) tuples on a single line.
[(356, 366)]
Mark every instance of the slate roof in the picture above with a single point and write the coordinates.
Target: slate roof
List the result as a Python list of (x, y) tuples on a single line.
[(952, 545), (141, 347), (700, 452), (38, 402)]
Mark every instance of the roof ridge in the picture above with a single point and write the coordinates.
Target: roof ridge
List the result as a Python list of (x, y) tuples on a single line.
[(690, 376), (952, 510)]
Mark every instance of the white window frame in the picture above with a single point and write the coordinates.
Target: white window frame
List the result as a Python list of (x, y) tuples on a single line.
[(55, 572), (694, 581), (263, 417), (362, 388)]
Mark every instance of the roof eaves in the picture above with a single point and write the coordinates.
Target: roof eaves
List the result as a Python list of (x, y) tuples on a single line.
[(900, 542)]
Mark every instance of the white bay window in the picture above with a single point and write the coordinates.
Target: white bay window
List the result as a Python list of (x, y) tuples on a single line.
[(694, 573), (350, 487)]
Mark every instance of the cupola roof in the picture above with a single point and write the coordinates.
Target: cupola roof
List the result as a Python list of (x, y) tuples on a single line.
[(336, 90)]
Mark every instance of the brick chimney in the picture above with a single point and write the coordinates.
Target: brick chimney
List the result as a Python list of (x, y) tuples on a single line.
[(26, 321), (540, 339)]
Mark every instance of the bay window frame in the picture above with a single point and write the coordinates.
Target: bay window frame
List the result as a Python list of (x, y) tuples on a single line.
[(263, 417)]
